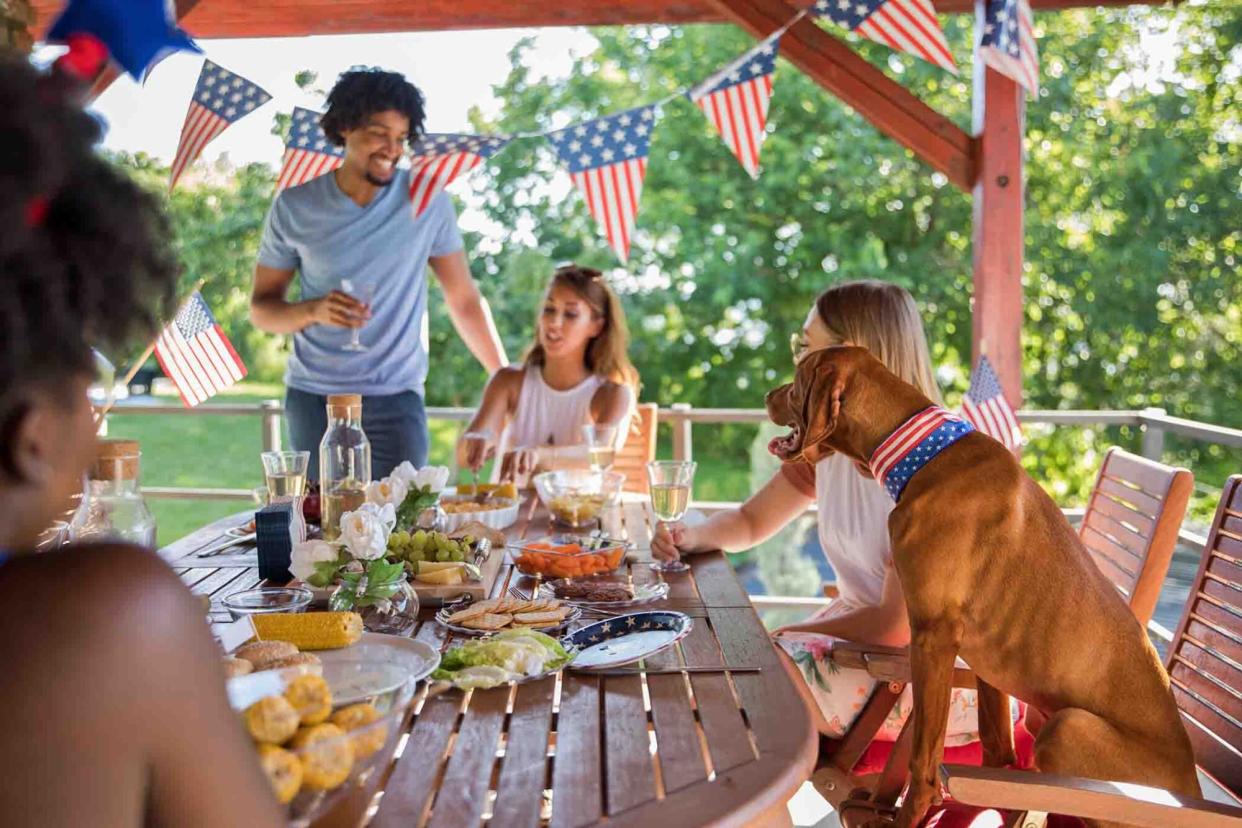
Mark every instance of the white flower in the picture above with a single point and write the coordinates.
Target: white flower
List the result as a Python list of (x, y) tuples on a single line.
[(365, 530), (433, 477), (405, 473), (389, 490), (308, 553)]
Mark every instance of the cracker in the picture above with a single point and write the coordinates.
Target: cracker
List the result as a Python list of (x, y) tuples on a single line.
[(472, 611), (488, 621)]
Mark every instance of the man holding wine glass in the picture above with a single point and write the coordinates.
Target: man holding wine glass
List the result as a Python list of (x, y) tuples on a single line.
[(362, 257)]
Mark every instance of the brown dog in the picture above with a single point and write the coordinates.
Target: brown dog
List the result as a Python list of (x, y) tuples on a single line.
[(993, 572)]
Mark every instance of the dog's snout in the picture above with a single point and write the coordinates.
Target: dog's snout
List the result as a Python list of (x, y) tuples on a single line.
[(777, 403)]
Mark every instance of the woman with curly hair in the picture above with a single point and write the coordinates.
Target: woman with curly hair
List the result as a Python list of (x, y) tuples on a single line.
[(112, 689), (362, 256)]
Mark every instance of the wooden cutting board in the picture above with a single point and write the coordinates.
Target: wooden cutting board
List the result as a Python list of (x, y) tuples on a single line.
[(432, 595)]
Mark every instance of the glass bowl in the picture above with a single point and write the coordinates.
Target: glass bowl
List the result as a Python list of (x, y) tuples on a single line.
[(576, 497), (569, 556), (267, 599), (343, 761)]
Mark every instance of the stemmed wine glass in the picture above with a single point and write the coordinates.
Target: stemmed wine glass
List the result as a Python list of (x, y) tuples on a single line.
[(670, 495), (364, 292), (601, 442)]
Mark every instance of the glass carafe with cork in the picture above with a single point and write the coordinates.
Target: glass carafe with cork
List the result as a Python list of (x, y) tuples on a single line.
[(113, 507), (344, 462)]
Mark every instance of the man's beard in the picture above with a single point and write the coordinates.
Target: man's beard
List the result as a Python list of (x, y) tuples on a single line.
[(379, 182)]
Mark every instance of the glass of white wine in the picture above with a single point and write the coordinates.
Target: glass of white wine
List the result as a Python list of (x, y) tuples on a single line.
[(670, 481), (601, 443), (286, 473)]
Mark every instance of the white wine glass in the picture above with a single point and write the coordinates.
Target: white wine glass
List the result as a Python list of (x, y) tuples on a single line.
[(601, 443), (364, 292), (671, 481)]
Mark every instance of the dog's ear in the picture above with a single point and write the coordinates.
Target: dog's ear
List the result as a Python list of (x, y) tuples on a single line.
[(825, 380)]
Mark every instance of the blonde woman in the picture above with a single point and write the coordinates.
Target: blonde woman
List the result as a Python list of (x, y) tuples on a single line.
[(852, 522), (575, 373)]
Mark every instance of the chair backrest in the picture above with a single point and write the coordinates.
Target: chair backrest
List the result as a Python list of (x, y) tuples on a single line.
[(639, 448), (1131, 524), (1205, 658)]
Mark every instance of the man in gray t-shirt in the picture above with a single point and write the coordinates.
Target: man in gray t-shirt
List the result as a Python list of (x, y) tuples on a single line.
[(357, 224)]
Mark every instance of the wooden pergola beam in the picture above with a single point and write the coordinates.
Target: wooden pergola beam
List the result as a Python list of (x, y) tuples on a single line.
[(892, 108), (297, 18)]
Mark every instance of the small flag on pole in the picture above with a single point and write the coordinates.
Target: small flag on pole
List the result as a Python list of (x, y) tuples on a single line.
[(195, 353), (736, 99), (220, 98), (1007, 43), (905, 25), (607, 159), (987, 409), (308, 154), (439, 159)]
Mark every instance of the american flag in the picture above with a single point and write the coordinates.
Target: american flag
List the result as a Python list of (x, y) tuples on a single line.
[(905, 25), (607, 159), (439, 159), (220, 98), (736, 99), (307, 152), (195, 353), (986, 407), (1008, 42)]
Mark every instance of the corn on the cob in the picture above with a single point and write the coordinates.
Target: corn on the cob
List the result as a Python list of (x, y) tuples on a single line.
[(310, 630)]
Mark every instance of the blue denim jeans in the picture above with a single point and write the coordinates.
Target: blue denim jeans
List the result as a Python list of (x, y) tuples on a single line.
[(395, 424)]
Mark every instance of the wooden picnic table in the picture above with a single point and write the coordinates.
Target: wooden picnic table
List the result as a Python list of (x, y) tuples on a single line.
[(701, 748)]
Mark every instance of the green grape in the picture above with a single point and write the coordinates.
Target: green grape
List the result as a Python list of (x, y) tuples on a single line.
[(457, 555), (442, 555), (420, 538)]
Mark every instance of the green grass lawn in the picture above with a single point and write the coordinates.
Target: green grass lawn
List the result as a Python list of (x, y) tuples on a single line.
[(210, 451)]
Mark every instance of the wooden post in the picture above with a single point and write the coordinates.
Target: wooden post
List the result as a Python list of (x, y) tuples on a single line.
[(998, 238), (16, 18)]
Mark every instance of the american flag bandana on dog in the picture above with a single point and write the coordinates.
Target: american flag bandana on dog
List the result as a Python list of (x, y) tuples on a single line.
[(913, 445)]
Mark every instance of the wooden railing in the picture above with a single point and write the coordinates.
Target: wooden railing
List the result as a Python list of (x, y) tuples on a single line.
[(1155, 423)]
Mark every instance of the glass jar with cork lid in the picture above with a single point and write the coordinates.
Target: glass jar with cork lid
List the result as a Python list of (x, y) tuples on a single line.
[(113, 507), (344, 462)]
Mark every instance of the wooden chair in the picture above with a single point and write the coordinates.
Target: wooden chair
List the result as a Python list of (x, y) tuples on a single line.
[(1203, 663), (1131, 524), (639, 449), (1130, 529)]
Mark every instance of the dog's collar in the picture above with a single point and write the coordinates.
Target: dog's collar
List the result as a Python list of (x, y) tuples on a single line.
[(913, 445)]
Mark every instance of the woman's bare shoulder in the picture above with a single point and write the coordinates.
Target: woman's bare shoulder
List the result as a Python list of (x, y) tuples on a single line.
[(108, 598)]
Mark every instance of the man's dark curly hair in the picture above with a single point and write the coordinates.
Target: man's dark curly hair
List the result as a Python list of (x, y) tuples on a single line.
[(361, 93), (85, 254)]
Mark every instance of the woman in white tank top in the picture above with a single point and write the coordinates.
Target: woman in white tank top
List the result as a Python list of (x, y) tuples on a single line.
[(576, 373), (852, 519)]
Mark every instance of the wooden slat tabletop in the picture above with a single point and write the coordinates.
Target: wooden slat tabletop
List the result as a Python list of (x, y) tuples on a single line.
[(576, 749)]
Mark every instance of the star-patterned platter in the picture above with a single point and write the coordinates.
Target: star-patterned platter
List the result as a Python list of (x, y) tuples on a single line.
[(626, 638)]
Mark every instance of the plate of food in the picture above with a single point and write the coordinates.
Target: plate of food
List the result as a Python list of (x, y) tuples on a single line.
[(334, 646), (607, 592), (511, 655), (625, 639), (495, 614)]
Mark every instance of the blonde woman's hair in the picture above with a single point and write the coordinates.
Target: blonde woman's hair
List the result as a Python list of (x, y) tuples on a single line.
[(882, 318), (606, 352)]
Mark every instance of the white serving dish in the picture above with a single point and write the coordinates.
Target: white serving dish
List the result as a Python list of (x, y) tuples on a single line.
[(493, 518)]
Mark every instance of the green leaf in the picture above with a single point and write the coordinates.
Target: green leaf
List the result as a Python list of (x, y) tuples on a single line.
[(415, 502)]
